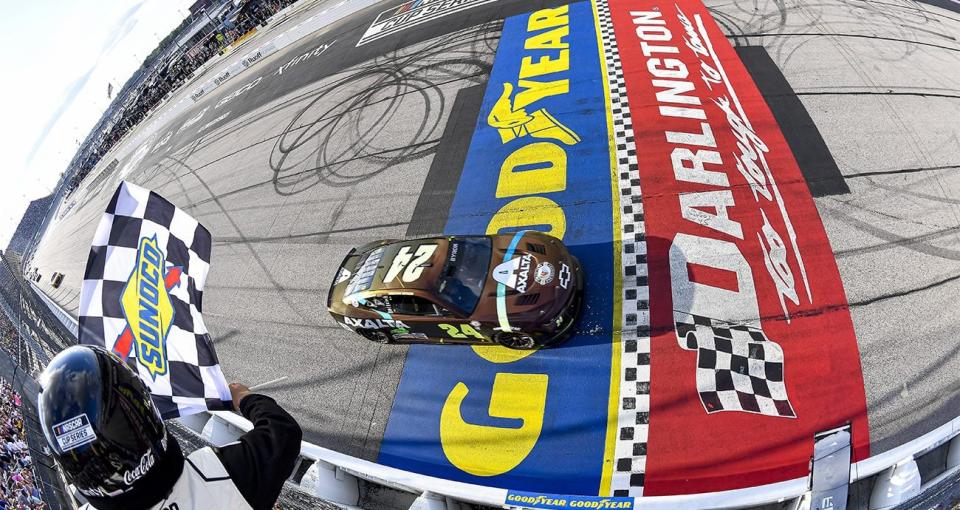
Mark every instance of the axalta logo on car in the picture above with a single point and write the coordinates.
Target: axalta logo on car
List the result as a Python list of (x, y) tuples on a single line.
[(514, 273), (374, 323)]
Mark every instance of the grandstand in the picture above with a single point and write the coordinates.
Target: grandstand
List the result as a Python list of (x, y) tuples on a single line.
[(28, 476), (30, 224), (18, 482), (207, 32)]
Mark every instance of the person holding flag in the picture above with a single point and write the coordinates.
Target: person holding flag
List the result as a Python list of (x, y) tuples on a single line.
[(146, 356), (107, 435)]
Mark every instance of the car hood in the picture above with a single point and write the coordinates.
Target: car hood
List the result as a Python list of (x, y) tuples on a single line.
[(533, 276)]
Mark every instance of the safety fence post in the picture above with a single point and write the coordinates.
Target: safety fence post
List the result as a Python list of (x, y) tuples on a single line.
[(329, 482), (195, 422), (218, 432), (896, 485), (953, 453), (431, 501)]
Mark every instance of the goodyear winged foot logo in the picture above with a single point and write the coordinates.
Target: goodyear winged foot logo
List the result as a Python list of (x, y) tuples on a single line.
[(148, 309), (512, 121)]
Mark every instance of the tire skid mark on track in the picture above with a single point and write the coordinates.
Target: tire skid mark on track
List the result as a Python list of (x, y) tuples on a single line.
[(253, 253), (305, 236), (482, 34), (212, 137), (271, 181), (451, 53)]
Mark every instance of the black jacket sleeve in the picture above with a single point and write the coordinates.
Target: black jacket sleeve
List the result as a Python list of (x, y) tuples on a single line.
[(264, 457)]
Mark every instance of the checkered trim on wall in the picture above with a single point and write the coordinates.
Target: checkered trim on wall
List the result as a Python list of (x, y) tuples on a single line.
[(630, 454)]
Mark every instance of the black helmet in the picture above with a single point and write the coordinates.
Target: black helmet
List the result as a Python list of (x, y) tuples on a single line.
[(100, 422)]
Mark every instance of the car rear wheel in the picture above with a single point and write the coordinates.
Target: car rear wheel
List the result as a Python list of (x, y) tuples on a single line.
[(375, 335), (521, 341)]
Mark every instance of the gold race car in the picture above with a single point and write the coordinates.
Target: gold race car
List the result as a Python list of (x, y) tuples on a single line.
[(521, 290)]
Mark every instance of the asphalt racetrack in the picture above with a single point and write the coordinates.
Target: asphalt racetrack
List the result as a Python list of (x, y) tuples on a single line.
[(843, 234)]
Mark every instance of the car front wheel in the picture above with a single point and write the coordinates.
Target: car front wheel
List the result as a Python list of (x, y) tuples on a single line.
[(520, 341), (376, 335)]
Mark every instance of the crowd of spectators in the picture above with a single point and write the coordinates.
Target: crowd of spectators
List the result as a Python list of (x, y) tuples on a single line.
[(8, 335), (167, 76), (18, 486)]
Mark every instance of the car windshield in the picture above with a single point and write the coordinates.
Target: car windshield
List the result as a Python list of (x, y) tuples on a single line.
[(463, 274)]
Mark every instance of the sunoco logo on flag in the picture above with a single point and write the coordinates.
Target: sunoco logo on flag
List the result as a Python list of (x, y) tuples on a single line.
[(147, 307), (142, 298)]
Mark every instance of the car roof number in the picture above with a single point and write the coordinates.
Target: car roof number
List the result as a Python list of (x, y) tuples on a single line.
[(410, 263)]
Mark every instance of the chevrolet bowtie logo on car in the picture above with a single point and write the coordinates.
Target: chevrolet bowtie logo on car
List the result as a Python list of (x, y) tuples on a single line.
[(147, 307)]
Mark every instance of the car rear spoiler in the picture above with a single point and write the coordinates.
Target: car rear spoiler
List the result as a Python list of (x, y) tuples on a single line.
[(358, 251), (334, 284)]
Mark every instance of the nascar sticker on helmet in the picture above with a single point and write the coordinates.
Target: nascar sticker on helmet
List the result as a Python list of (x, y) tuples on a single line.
[(74, 433), (539, 124)]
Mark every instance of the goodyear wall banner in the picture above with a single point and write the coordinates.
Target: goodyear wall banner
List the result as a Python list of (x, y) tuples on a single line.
[(753, 348), (539, 159), (141, 298)]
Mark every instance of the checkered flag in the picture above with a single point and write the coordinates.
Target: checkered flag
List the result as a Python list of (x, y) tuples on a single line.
[(738, 367), (142, 299)]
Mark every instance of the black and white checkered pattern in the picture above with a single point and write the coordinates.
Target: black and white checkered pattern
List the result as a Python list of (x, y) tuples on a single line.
[(193, 381), (630, 452), (738, 367)]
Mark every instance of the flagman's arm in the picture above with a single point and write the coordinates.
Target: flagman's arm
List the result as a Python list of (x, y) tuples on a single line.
[(260, 462)]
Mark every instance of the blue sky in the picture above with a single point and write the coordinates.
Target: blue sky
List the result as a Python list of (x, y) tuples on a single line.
[(60, 56)]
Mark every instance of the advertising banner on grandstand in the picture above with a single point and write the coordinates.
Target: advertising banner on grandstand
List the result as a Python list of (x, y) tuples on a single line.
[(753, 348), (141, 298)]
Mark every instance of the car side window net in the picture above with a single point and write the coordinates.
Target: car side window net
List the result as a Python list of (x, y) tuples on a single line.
[(413, 305)]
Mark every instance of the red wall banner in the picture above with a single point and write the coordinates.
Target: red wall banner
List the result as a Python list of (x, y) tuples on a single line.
[(752, 349)]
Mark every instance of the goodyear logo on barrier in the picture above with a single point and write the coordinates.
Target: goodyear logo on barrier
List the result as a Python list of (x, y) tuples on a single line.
[(555, 501), (147, 307)]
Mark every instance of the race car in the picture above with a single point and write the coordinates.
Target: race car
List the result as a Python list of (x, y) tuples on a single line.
[(521, 290)]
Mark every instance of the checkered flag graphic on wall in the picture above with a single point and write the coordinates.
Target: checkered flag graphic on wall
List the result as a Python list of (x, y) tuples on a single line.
[(738, 367), (142, 295)]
